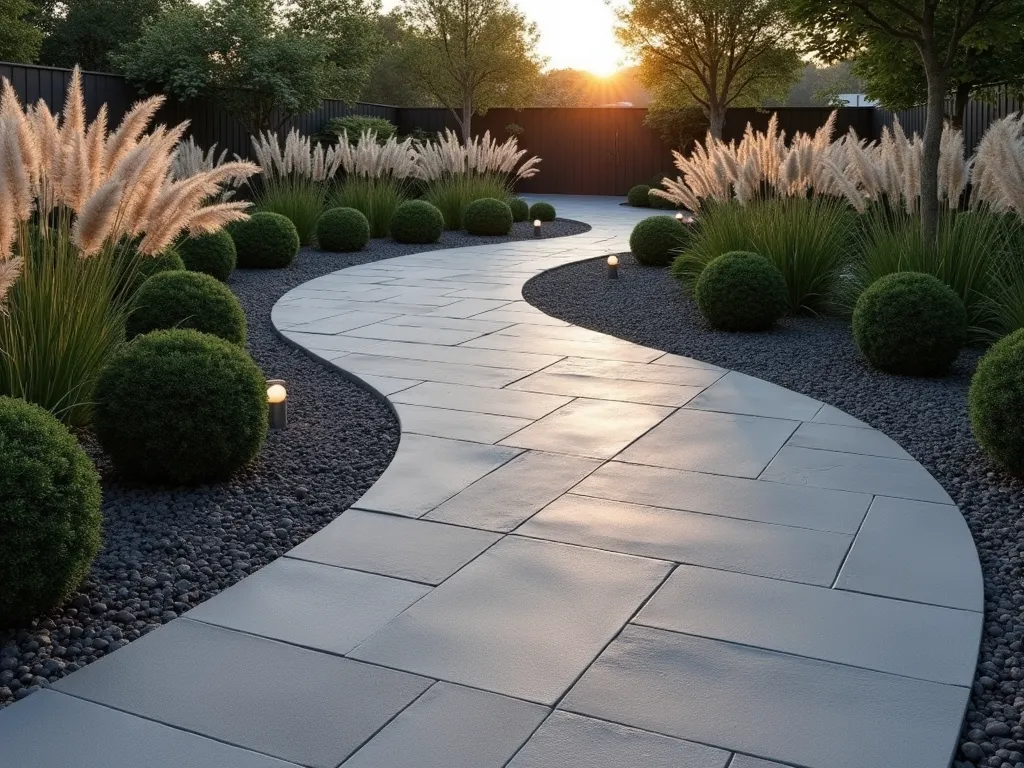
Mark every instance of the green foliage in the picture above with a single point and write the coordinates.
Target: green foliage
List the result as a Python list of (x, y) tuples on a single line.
[(187, 300), (214, 254), (452, 194), (376, 199), (639, 196), (388, 82), (342, 229), (180, 406), (996, 401), (679, 127), (50, 515), (542, 211), (90, 32), (520, 209), (488, 216), (417, 221), (19, 37), (741, 291), (141, 268), (910, 323), (809, 240), (265, 241), (656, 240), (567, 88), (354, 126), (299, 198), (661, 204)]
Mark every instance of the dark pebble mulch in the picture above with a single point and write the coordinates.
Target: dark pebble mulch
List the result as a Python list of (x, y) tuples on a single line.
[(168, 549), (928, 417)]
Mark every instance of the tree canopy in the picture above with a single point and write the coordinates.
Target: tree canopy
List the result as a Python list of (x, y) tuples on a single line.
[(19, 37)]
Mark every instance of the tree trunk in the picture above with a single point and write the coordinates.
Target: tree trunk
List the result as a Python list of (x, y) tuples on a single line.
[(716, 116), (937, 83), (467, 121), (963, 94)]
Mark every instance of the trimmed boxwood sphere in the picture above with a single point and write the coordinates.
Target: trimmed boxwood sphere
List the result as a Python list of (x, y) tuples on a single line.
[(520, 209), (741, 291), (910, 323), (639, 196), (50, 521), (180, 406), (542, 211), (653, 240), (487, 216), (661, 203), (417, 221), (996, 401), (342, 230), (187, 300), (265, 241), (147, 266), (213, 254)]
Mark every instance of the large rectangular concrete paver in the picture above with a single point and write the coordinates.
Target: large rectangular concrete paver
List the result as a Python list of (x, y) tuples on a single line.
[(910, 639), (745, 761), (824, 510), (853, 472), (834, 437), (446, 336), (719, 443), (310, 604), (524, 619), (913, 550), (648, 372), (456, 373), (50, 729), (501, 402), (416, 550), (310, 708), (427, 471), (610, 349), (602, 388), (776, 551), (451, 726), (739, 393), (779, 707), (832, 415), (516, 316), (457, 425), (567, 740), (596, 429), (511, 494)]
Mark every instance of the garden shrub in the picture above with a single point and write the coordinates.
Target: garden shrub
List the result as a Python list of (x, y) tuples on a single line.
[(377, 199), (187, 300), (910, 323), (542, 211), (655, 240), (660, 203), (265, 241), (180, 406), (487, 216), (452, 194), (213, 254), (417, 221), (996, 402), (342, 229), (520, 209), (300, 199), (741, 291), (354, 126), (639, 196), (144, 267), (50, 521)]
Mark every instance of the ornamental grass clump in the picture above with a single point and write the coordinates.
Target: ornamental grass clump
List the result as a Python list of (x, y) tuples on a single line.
[(741, 291), (996, 401), (187, 300), (375, 177)]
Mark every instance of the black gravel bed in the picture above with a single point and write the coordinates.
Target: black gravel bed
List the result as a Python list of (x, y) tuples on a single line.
[(168, 549), (928, 417)]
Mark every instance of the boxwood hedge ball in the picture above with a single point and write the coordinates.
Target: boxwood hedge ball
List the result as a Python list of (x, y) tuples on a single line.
[(910, 323), (187, 300), (741, 291), (181, 407), (213, 254), (639, 196), (50, 521), (654, 240), (342, 230), (542, 211), (996, 402), (487, 216), (520, 209), (265, 241), (659, 202), (417, 221), (147, 266)]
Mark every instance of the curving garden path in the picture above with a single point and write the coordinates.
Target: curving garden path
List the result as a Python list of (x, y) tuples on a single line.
[(585, 554)]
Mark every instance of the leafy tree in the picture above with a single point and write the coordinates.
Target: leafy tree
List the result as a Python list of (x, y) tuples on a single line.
[(679, 127), (19, 37), (714, 54), (566, 88), (820, 86), (471, 55), (388, 82)]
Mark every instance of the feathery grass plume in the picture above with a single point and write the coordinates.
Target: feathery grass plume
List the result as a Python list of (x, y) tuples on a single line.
[(998, 172), (448, 156), (132, 126), (190, 159)]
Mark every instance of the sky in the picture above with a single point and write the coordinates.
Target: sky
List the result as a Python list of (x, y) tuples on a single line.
[(575, 34)]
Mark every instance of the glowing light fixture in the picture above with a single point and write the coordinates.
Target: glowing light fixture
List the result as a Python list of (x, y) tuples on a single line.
[(679, 217), (613, 267), (277, 398), (536, 227)]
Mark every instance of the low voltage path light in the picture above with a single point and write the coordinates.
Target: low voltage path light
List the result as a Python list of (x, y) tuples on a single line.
[(536, 227), (277, 398), (679, 217), (613, 267)]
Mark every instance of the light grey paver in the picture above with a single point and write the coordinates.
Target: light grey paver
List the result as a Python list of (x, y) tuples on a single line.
[(739, 393), (830, 415), (511, 494), (387, 385), (51, 729), (428, 470), (501, 402), (824, 510), (607, 389), (307, 707), (834, 437), (853, 472), (915, 551), (650, 372), (567, 740), (718, 443), (450, 726), (745, 761), (466, 308), (304, 603), (411, 333), (610, 349), (910, 639), (476, 375), (776, 551), (416, 550), (524, 619), (341, 323), (680, 361), (455, 323), (785, 708), (513, 316), (457, 425)]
